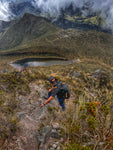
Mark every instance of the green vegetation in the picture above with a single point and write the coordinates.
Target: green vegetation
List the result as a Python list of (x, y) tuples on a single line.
[(36, 36), (89, 111), (8, 121), (70, 18), (28, 28), (87, 120), (68, 44), (90, 20), (76, 147)]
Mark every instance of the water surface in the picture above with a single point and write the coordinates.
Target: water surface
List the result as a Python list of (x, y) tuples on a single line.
[(34, 62)]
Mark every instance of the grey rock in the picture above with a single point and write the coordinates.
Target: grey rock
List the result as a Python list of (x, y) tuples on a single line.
[(23, 99), (55, 125), (54, 146), (85, 78), (101, 143), (58, 148), (57, 143), (97, 73), (78, 60), (55, 134), (43, 93), (76, 74), (44, 134), (102, 76), (70, 72), (4, 71), (21, 115)]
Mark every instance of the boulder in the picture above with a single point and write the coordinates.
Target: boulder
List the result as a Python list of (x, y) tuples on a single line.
[(97, 73), (44, 135), (102, 76), (5, 71), (76, 74), (55, 125), (55, 134), (42, 93)]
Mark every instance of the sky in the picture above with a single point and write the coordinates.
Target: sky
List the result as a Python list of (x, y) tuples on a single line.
[(53, 7), (4, 11)]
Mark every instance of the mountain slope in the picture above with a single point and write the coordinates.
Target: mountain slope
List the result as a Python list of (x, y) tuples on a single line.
[(3, 25), (33, 35), (74, 18), (27, 28), (69, 44)]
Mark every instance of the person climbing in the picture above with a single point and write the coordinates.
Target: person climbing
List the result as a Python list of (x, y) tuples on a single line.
[(61, 90)]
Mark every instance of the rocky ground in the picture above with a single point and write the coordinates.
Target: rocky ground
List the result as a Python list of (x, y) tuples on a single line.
[(86, 123), (30, 116)]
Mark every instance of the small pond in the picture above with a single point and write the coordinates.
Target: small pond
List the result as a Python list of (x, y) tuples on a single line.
[(34, 62)]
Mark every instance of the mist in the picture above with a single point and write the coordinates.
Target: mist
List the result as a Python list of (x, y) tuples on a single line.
[(103, 7), (53, 8), (5, 13)]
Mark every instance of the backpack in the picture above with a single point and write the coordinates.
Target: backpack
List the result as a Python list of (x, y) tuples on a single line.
[(64, 90)]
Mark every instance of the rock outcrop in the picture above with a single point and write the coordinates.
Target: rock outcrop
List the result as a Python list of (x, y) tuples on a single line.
[(30, 115)]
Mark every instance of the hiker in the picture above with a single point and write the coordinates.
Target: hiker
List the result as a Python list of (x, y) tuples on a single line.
[(59, 89)]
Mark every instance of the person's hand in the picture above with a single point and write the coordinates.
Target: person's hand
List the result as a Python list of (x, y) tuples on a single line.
[(49, 90), (42, 105)]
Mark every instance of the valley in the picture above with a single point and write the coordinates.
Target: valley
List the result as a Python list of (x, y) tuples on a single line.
[(80, 54)]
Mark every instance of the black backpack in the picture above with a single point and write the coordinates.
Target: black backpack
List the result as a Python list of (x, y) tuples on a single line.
[(64, 90)]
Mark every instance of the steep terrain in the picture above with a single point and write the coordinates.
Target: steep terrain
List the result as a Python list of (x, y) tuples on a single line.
[(69, 17), (74, 18), (27, 28), (87, 122), (3, 25), (68, 44), (32, 35)]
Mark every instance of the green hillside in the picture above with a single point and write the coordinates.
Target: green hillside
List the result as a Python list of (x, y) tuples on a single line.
[(87, 123), (27, 28), (69, 44), (33, 35)]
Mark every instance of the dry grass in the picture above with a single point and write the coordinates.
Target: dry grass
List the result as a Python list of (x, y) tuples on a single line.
[(84, 121), (68, 44)]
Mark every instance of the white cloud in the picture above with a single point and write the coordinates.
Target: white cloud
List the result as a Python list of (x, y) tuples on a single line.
[(4, 11), (53, 7), (105, 7)]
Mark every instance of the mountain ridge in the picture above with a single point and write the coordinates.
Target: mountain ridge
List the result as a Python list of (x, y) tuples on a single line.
[(33, 35), (27, 28), (77, 19)]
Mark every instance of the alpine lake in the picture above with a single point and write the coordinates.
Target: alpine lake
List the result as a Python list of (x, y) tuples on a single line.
[(35, 62)]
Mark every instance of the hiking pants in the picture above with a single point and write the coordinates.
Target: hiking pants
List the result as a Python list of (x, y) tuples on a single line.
[(61, 101)]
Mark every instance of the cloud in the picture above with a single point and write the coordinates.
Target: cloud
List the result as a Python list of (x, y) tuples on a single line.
[(53, 7), (5, 13), (104, 7)]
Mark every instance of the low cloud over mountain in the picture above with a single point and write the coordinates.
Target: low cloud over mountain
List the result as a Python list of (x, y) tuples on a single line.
[(12, 8)]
